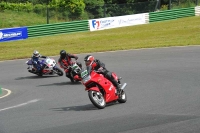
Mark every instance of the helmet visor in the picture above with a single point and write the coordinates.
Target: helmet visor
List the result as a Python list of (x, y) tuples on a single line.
[(36, 55), (62, 56)]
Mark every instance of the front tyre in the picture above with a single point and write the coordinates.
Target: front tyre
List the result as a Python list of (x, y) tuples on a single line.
[(59, 71), (122, 97), (97, 99), (39, 74)]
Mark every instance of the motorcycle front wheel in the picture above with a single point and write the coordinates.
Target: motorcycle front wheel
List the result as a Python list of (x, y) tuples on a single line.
[(122, 97), (97, 99), (59, 71)]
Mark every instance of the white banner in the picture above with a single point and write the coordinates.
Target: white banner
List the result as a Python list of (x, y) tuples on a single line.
[(114, 22)]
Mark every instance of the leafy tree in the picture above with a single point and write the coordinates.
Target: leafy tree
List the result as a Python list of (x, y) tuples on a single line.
[(119, 7), (75, 7), (94, 8), (119, 1), (25, 1)]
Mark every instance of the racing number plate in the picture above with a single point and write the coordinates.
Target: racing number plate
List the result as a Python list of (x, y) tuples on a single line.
[(84, 74)]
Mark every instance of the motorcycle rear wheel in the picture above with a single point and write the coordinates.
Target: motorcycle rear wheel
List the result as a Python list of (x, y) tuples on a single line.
[(97, 99), (122, 97)]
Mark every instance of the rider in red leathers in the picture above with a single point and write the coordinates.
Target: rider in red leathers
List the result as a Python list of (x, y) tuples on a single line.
[(99, 66), (65, 60)]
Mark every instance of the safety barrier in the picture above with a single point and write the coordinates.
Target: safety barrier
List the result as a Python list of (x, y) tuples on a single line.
[(197, 11), (171, 14), (57, 28)]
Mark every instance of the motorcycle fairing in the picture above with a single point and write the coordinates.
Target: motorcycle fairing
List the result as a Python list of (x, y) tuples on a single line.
[(93, 89), (29, 62)]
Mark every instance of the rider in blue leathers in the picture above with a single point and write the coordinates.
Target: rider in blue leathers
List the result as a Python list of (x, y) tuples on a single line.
[(36, 63)]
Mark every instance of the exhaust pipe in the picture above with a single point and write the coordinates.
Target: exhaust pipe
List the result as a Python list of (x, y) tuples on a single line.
[(124, 85)]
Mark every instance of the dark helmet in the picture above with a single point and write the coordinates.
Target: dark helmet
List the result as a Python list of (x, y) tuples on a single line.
[(89, 59), (63, 54)]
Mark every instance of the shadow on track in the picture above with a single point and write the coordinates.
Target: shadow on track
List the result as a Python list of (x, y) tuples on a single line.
[(35, 77), (76, 108), (61, 83), (82, 107)]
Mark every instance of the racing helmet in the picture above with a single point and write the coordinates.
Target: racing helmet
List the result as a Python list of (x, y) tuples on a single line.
[(36, 53), (63, 54), (89, 59)]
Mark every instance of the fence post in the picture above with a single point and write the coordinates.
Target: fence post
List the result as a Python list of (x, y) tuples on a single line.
[(104, 10), (170, 2), (157, 5), (197, 3), (47, 12)]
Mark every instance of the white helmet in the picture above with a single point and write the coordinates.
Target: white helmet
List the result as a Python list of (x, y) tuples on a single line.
[(36, 53)]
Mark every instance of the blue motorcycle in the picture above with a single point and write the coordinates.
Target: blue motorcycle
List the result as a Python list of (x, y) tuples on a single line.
[(49, 65)]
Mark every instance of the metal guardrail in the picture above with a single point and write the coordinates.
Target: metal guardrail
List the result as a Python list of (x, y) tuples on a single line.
[(57, 28), (171, 14)]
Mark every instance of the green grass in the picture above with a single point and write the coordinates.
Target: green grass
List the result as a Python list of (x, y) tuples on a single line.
[(18, 19), (15, 19), (180, 32)]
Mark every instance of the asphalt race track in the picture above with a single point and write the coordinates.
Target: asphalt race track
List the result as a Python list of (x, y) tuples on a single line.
[(163, 90)]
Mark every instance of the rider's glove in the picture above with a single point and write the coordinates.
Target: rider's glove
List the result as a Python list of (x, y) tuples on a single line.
[(100, 70), (34, 62), (76, 57)]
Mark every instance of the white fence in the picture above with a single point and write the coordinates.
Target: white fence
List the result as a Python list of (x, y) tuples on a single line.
[(197, 11)]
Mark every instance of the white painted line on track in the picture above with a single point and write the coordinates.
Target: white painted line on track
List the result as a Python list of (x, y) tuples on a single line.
[(20, 105), (9, 92)]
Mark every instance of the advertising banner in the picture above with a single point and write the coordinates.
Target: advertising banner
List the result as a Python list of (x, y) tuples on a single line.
[(114, 22), (11, 34)]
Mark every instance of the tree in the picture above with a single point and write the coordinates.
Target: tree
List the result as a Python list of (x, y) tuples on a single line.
[(74, 7), (94, 8), (119, 1)]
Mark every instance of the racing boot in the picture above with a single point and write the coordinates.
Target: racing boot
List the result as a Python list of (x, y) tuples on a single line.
[(118, 89), (115, 83)]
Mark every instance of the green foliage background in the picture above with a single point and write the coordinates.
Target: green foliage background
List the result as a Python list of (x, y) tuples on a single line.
[(39, 11)]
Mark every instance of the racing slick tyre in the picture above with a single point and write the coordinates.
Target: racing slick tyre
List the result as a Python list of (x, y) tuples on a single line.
[(122, 97), (97, 99), (59, 71)]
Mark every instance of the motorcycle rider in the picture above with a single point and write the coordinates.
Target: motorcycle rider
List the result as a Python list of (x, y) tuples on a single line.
[(97, 65), (36, 63), (65, 60)]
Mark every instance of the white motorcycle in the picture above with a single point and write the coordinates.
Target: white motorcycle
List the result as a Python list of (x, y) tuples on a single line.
[(49, 65)]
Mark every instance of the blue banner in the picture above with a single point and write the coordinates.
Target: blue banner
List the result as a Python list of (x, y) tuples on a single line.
[(11, 34)]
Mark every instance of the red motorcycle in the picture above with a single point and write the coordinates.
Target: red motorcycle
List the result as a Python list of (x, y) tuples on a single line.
[(100, 90)]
